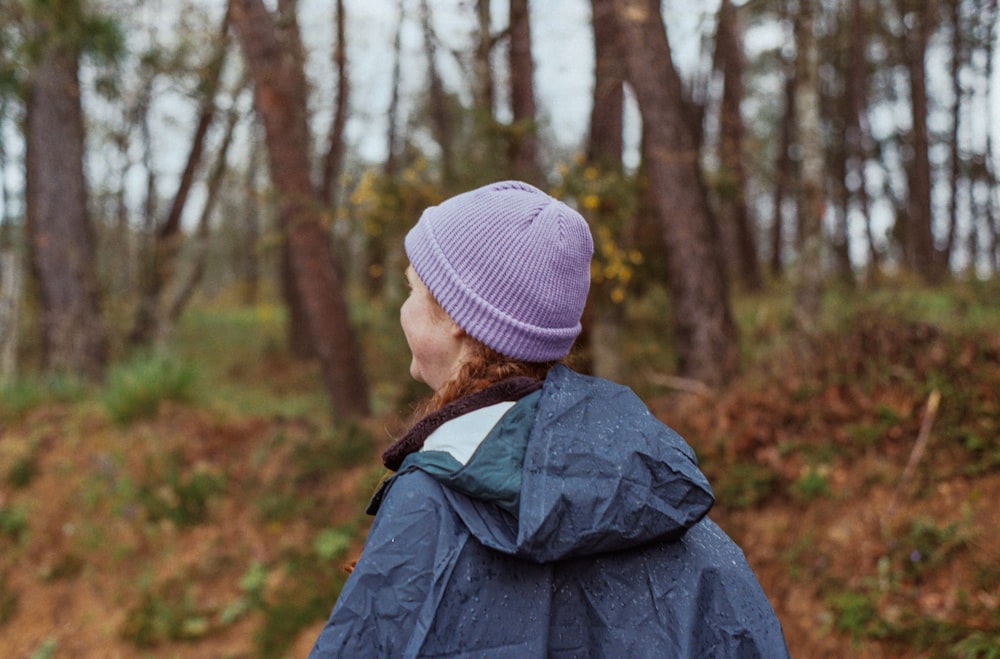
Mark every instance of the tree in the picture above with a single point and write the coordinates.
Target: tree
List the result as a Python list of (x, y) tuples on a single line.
[(810, 200), (335, 143), (922, 256), (523, 145), (603, 316), (60, 237), (168, 237), (271, 48), (857, 131), (731, 180), (704, 332)]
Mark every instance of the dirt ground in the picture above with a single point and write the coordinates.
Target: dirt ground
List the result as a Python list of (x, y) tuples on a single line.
[(859, 558)]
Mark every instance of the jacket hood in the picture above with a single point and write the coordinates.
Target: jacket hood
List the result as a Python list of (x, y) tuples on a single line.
[(600, 473)]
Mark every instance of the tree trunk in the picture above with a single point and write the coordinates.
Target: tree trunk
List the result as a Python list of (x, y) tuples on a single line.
[(249, 270), (483, 93), (442, 124), (605, 144), (604, 318), (735, 214), (523, 148), (391, 165), (784, 170), (920, 232), (10, 307), (201, 237), (335, 148), (958, 62), (704, 333), (811, 202), (857, 130), (168, 238), (280, 98), (58, 227)]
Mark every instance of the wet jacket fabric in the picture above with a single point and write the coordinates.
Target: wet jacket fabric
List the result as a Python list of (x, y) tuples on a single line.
[(570, 523)]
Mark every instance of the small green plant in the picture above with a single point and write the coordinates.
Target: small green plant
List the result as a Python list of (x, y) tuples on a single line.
[(746, 484), (136, 389), (925, 545), (181, 496), (978, 645), (811, 485), (45, 650), (855, 613), (9, 600), (23, 394), (163, 615), (13, 523), (22, 471)]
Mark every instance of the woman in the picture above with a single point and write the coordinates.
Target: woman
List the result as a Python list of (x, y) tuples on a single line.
[(534, 512)]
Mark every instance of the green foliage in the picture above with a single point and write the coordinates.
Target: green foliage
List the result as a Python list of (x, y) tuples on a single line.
[(20, 396), (9, 600), (811, 485), (925, 545), (978, 645), (746, 484), (607, 198), (306, 595), (856, 613), (136, 389), (22, 471), (46, 649), (171, 492), (169, 613), (13, 522)]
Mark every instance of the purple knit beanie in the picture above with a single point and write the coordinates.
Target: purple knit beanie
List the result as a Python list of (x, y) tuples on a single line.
[(510, 265)]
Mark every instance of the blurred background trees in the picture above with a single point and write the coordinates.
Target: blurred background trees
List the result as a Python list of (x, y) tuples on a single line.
[(838, 142)]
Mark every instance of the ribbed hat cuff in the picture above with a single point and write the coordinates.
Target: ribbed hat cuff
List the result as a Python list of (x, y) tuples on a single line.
[(481, 320)]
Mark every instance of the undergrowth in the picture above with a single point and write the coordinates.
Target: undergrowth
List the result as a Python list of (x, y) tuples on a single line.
[(207, 492)]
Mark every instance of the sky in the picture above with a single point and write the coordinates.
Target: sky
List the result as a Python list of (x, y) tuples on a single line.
[(563, 56)]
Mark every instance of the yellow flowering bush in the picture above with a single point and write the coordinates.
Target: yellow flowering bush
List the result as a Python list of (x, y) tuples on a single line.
[(606, 198)]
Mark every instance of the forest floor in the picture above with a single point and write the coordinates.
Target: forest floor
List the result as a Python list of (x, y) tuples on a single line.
[(200, 504)]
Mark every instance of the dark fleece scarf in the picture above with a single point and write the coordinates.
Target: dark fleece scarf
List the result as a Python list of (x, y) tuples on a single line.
[(509, 390)]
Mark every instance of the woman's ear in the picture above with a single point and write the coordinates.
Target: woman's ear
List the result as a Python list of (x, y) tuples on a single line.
[(457, 331)]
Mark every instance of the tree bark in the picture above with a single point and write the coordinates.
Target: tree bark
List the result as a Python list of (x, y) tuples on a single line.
[(811, 203), (483, 90), (168, 238), (605, 143), (923, 255), (332, 163), (735, 213), (280, 98), (58, 227), (604, 318), (391, 165), (201, 237), (442, 123), (857, 130), (958, 62), (784, 170), (523, 146), (704, 332)]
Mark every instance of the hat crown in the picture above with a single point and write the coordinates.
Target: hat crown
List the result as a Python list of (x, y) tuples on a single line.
[(511, 266)]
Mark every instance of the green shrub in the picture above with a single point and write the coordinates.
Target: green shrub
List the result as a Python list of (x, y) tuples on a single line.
[(811, 485), (22, 471), (13, 523), (181, 496), (746, 484), (9, 600), (135, 389), (20, 396)]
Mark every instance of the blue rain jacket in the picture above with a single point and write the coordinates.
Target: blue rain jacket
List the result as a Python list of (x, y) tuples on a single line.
[(574, 526)]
